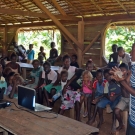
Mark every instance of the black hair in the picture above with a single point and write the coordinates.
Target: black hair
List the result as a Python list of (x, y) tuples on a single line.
[(74, 55), (65, 57), (114, 45), (119, 49), (123, 65), (41, 47), (47, 63), (89, 62), (13, 55), (35, 61), (52, 44), (107, 71), (99, 71), (64, 72), (30, 45), (10, 74)]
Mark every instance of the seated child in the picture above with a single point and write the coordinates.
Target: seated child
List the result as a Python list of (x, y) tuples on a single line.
[(13, 65), (42, 53), (41, 60), (47, 78), (3, 84), (74, 61), (18, 80), (53, 54), (125, 99), (98, 90), (10, 78), (30, 54), (123, 57), (90, 67), (113, 57), (6, 72), (110, 97), (68, 97), (34, 75), (87, 92)]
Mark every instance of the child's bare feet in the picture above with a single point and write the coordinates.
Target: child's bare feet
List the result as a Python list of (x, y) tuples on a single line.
[(113, 130), (91, 121), (50, 100), (120, 127), (100, 123)]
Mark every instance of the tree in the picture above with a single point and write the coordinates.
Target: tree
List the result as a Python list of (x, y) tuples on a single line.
[(120, 35)]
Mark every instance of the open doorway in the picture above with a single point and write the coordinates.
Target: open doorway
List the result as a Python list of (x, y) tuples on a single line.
[(40, 38), (121, 35)]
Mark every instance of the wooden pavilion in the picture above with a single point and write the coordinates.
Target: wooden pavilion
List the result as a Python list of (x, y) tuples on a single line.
[(82, 23)]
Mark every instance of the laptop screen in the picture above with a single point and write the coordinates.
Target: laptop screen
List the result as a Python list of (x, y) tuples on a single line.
[(26, 97)]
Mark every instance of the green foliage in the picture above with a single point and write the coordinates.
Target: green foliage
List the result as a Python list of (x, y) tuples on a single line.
[(42, 38), (122, 36)]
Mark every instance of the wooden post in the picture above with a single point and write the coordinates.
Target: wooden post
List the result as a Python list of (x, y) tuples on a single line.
[(81, 41)]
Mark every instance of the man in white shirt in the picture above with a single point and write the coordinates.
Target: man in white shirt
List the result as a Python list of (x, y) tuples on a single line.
[(123, 56)]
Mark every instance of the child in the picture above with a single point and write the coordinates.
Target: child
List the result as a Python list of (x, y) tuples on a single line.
[(34, 75), (10, 78), (3, 84), (113, 56), (74, 61), (13, 65), (53, 54), (69, 98), (41, 60), (87, 91), (30, 54), (90, 67), (47, 78), (17, 80), (42, 53), (98, 90), (123, 56), (111, 96), (6, 72), (124, 102)]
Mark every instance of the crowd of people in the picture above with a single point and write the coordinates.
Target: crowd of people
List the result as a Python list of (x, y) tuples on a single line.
[(75, 86)]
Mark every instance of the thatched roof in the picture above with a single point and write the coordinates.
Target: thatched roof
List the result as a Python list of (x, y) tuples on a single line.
[(21, 12)]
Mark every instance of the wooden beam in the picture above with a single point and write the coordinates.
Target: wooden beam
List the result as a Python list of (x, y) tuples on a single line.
[(57, 22), (81, 40), (91, 43), (98, 7), (58, 7), (69, 41), (123, 6), (34, 14)]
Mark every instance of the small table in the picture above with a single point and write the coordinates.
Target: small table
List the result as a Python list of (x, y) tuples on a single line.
[(30, 66), (20, 122)]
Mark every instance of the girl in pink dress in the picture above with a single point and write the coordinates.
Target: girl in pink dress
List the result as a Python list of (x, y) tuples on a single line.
[(86, 91)]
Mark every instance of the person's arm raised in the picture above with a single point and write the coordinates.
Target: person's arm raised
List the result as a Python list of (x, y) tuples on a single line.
[(128, 88)]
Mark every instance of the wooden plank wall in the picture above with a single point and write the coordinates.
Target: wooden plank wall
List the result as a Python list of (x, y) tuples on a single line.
[(90, 32), (7, 35)]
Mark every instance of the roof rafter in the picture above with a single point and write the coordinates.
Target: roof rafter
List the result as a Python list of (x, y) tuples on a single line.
[(24, 8), (93, 2), (34, 14), (58, 7), (123, 6), (74, 8), (57, 23)]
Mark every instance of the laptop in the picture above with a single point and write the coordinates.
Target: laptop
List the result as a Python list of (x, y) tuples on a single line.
[(26, 98)]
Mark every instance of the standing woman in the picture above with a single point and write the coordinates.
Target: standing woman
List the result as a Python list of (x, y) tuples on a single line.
[(13, 65)]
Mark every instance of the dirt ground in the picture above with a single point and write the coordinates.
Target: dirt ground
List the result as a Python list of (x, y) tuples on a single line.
[(106, 127)]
